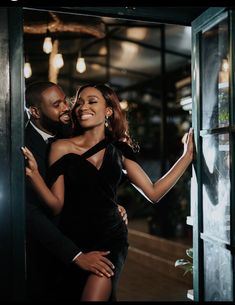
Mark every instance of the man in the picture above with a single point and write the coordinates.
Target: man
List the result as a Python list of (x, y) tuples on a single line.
[(47, 248)]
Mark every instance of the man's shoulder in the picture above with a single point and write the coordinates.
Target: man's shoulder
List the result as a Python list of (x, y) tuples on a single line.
[(32, 139)]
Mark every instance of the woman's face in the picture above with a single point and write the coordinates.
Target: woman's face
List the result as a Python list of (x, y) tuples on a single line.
[(91, 109)]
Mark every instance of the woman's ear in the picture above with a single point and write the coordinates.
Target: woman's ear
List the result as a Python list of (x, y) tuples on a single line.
[(109, 111), (34, 112)]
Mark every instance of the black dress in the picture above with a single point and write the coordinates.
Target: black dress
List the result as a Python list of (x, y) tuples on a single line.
[(90, 215)]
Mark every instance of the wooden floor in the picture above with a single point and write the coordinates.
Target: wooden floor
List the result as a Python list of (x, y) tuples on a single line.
[(140, 284), (141, 281)]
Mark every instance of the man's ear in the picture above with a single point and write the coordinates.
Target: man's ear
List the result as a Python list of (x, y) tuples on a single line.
[(34, 112)]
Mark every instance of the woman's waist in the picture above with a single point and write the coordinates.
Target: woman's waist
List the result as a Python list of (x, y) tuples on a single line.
[(94, 224)]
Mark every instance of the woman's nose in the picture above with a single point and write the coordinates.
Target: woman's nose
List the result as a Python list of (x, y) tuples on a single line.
[(84, 106)]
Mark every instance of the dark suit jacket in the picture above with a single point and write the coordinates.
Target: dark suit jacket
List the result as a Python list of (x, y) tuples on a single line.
[(46, 246)]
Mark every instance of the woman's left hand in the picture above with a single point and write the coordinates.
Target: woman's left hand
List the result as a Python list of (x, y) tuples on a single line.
[(32, 166)]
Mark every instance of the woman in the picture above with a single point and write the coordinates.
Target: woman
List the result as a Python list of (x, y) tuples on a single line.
[(85, 171)]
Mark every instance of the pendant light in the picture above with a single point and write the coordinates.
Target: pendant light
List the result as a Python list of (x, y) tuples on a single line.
[(58, 61), (47, 44), (27, 68), (81, 65)]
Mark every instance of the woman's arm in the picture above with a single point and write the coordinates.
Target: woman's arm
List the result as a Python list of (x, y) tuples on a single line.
[(155, 191), (53, 197)]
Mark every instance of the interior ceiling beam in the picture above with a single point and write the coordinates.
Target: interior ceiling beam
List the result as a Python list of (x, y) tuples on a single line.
[(148, 46), (168, 15), (57, 25), (95, 41), (134, 24), (124, 70)]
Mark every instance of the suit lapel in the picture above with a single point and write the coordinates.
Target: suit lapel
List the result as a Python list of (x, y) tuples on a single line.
[(37, 145)]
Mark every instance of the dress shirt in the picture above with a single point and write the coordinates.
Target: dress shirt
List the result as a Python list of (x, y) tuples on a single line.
[(44, 134)]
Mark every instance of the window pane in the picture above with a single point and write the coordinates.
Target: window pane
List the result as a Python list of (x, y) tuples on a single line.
[(217, 273), (216, 186), (215, 76)]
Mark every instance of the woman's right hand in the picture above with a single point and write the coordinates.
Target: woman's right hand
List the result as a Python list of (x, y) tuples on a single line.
[(32, 166)]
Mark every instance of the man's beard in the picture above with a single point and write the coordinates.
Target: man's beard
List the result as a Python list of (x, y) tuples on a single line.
[(65, 130), (50, 125)]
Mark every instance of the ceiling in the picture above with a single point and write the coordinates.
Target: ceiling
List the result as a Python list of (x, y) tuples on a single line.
[(131, 56), (142, 60)]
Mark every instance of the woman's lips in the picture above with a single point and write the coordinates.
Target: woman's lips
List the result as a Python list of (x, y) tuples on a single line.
[(84, 117)]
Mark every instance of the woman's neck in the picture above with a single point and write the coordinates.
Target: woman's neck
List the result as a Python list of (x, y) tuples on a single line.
[(93, 136)]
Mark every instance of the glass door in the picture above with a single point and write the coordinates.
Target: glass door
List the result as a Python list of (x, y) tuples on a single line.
[(213, 257)]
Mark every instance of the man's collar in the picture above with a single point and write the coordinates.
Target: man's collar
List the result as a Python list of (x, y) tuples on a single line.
[(44, 134)]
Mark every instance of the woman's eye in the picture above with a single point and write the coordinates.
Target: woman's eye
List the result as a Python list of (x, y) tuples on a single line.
[(92, 102)]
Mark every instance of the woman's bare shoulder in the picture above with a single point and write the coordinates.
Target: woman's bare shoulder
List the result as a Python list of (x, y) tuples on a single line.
[(59, 148)]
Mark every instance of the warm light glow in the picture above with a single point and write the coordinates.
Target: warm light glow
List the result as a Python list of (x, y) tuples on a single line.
[(95, 67), (103, 51), (81, 65), (58, 61), (124, 105), (224, 74), (186, 103), (47, 45), (27, 70), (137, 33), (225, 65), (129, 47)]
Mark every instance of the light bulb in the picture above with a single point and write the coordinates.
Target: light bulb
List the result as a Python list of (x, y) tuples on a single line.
[(81, 65), (27, 70), (47, 45), (58, 61)]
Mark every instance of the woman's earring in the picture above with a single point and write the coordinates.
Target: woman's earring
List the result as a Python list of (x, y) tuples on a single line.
[(106, 123)]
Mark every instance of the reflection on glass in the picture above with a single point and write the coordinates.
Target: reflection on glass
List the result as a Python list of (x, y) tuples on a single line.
[(215, 76), (217, 273), (216, 186)]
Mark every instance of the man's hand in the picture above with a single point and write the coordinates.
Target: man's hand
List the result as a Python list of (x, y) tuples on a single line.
[(123, 213), (95, 262)]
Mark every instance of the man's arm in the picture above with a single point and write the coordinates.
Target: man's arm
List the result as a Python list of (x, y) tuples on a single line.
[(42, 229)]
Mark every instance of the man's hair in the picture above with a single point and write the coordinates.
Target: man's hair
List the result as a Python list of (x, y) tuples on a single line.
[(33, 93)]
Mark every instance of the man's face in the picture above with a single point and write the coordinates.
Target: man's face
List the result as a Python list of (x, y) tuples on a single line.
[(54, 109)]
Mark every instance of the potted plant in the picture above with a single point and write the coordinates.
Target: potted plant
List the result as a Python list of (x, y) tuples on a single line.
[(187, 265)]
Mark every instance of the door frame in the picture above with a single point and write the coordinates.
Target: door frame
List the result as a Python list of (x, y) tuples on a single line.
[(12, 197)]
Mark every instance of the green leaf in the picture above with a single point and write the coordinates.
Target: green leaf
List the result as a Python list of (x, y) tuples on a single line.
[(182, 262), (189, 252), (186, 264)]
